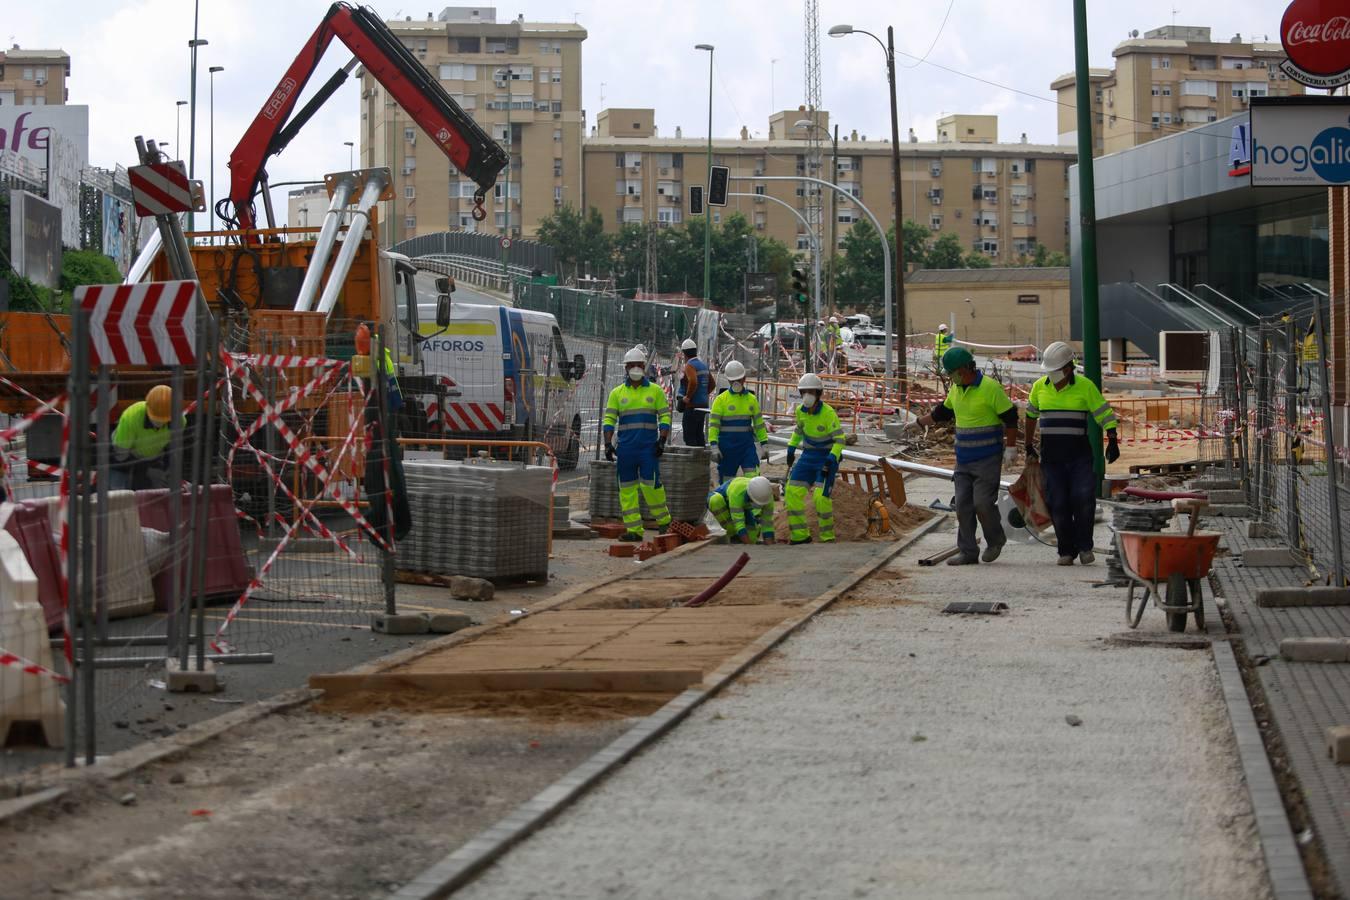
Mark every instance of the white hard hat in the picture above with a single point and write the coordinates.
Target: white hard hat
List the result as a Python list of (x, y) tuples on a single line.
[(942, 327), (810, 382), (734, 371), (834, 320), (760, 491), (689, 344), (1056, 356), (636, 356)]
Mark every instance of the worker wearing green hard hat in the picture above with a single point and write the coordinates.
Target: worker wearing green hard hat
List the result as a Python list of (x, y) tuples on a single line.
[(986, 437)]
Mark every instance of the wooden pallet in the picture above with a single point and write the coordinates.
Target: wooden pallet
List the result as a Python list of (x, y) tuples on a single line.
[(1168, 468)]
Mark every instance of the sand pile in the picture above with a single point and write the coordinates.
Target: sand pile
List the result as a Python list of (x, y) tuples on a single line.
[(850, 516)]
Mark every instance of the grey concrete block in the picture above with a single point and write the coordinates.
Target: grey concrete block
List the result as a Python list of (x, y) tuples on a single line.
[(1226, 496), (1228, 510), (1268, 557), (1338, 743), (398, 624), (179, 680), (462, 587), (1315, 649), (448, 622), (1215, 484), (1317, 595), (1262, 530)]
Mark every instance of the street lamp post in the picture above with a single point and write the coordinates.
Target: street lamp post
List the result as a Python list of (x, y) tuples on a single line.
[(192, 110), (707, 181), (889, 49), (350, 151), (178, 128), (211, 211)]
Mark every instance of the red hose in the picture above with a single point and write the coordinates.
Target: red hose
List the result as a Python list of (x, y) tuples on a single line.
[(1165, 495), (711, 590)]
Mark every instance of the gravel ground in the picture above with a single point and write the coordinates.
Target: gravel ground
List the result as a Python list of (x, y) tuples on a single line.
[(889, 750)]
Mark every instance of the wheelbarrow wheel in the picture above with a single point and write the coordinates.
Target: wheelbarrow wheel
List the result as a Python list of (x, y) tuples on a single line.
[(1134, 613), (1176, 596), (1198, 598)]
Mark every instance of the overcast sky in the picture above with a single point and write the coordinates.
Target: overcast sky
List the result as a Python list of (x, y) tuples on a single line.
[(129, 62)]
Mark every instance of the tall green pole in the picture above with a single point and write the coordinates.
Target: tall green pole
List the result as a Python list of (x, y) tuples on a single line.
[(1087, 224), (707, 210)]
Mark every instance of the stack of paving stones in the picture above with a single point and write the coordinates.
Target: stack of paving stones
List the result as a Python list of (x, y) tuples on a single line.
[(684, 473), (1133, 517), (480, 518)]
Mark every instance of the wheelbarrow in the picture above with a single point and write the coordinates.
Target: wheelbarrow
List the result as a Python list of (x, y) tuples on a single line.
[(1152, 559)]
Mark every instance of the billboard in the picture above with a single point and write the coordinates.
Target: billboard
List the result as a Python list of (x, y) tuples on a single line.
[(116, 232), (1300, 141), (54, 139), (35, 238)]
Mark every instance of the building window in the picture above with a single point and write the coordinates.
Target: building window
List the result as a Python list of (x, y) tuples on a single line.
[(556, 106), (1167, 90), (557, 135), (409, 165), (631, 214), (759, 189), (717, 218), (557, 196), (989, 248), (803, 242), (545, 47), (409, 192), (935, 169), (468, 45), (556, 77), (669, 216), (847, 217), (28, 74), (990, 196), (1156, 119), (557, 168), (409, 221), (935, 222), (410, 135), (459, 71), (1156, 90)]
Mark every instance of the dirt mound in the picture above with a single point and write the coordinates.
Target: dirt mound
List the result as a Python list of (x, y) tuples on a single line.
[(850, 516), (540, 706)]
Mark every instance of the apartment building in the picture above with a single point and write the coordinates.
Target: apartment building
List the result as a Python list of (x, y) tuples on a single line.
[(305, 208), (1172, 79), (1000, 199), (521, 81), (33, 77)]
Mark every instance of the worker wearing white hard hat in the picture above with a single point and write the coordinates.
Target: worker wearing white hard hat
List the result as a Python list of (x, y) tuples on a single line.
[(744, 508), (639, 412), (736, 433), (692, 402), (820, 437), (942, 342), (1060, 405)]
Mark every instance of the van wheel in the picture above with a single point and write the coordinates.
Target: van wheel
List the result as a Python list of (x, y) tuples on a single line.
[(567, 459)]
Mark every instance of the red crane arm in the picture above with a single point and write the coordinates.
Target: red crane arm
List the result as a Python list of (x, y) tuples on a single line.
[(459, 137)]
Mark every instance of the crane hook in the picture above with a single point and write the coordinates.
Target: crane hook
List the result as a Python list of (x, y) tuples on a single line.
[(479, 214)]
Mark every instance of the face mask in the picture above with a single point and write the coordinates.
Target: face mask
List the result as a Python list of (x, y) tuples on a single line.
[(809, 400), (737, 386), (635, 374)]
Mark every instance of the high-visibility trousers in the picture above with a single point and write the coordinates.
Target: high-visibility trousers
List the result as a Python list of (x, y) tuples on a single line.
[(808, 472), (738, 458), (717, 505), (641, 469)]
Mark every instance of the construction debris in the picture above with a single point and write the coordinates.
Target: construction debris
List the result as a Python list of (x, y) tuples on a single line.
[(853, 508)]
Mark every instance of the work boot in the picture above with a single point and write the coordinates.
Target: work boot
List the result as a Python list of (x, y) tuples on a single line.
[(1065, 561), (963, 560), (1086, 558), (632, 537), (991, 552)]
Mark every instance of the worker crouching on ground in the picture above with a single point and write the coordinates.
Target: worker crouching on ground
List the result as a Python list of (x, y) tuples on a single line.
[(1061, 403), (139, 460), (821, 439), (736, 431), (693, 400), (986, 437), (638, 410), (744, 508)]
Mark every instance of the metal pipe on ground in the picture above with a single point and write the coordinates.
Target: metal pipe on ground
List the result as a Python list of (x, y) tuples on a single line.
[(917, 468), (711, 591)]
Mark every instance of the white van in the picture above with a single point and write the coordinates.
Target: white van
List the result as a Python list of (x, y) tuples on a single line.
[(494, 372)]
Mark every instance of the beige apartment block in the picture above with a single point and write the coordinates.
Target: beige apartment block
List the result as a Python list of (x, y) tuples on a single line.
[(305, 208), (1000, 199), (33, 77), (963, 129), (1172, 79), (521, 81), (991, 306)]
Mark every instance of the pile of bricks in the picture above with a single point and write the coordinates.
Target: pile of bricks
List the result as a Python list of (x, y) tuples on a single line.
[(680, 532)]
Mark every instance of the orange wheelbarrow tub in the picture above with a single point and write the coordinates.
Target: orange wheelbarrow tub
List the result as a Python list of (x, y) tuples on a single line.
[(1171, 569)]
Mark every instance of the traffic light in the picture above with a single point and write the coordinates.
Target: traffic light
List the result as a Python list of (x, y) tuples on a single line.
[(717, 185), (799, 286), (695, 199)]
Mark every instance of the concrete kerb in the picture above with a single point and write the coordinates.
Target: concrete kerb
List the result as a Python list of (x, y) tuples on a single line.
[(466, 863)]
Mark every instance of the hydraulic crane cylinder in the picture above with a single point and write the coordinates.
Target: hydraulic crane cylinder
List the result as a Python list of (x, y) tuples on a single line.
[(323, 248), (370, 195)]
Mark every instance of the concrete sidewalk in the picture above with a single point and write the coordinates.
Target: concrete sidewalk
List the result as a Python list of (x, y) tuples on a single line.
[(890, 750)]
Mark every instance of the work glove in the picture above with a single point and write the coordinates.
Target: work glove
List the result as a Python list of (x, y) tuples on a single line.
[(831, 466), (764, 452), (609, 451), (1009, 455), (660, 446), (1112, 447), (715, 452), (792, 456), (679, 404)]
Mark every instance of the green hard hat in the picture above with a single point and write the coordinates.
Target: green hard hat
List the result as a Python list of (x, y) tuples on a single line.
[(957, 358)]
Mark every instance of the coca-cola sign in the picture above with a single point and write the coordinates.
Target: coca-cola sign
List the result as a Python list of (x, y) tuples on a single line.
[(1316, 37)]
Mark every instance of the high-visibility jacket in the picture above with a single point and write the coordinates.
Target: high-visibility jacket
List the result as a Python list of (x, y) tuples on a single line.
[(697, 380), (941, 344), (736, 420), (639, 412), (980, 409), (818, 431), (137, 436), (1063, 416), (744, 514)]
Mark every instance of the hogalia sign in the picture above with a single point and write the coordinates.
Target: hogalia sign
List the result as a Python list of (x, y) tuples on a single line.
[(1316, 37)]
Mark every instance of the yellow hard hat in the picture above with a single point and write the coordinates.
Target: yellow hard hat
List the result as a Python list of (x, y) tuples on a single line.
[(159, 404)]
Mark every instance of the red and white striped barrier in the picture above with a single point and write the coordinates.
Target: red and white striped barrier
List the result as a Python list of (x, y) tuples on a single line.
[(14, 661)]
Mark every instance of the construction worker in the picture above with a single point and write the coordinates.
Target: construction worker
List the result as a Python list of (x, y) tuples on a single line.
[(744, 508), (834, 341), (821, 436), (941, 343), (986, 437), (693, 400), (736, 434), (139, 460), (638, 410), (1061, 403)]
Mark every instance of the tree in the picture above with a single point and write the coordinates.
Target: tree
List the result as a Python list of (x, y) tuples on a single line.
[(946, 252), (916, 243), (578, 240), (861, 281), (977, 260), (1046, 257), (79, 267)]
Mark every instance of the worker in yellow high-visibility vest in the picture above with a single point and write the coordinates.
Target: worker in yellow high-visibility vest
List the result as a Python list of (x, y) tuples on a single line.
[(639, 411), (942, 342), (820, 436)]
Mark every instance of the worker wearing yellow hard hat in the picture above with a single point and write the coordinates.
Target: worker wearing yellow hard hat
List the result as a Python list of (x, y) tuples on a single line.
[(140, 442)]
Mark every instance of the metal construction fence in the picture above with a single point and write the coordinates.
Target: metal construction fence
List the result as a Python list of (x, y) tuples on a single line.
[(523, 253), (1271, 429), (660, 327)]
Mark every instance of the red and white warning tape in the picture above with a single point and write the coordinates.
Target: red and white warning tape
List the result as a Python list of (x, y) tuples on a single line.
[(14, 661)]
